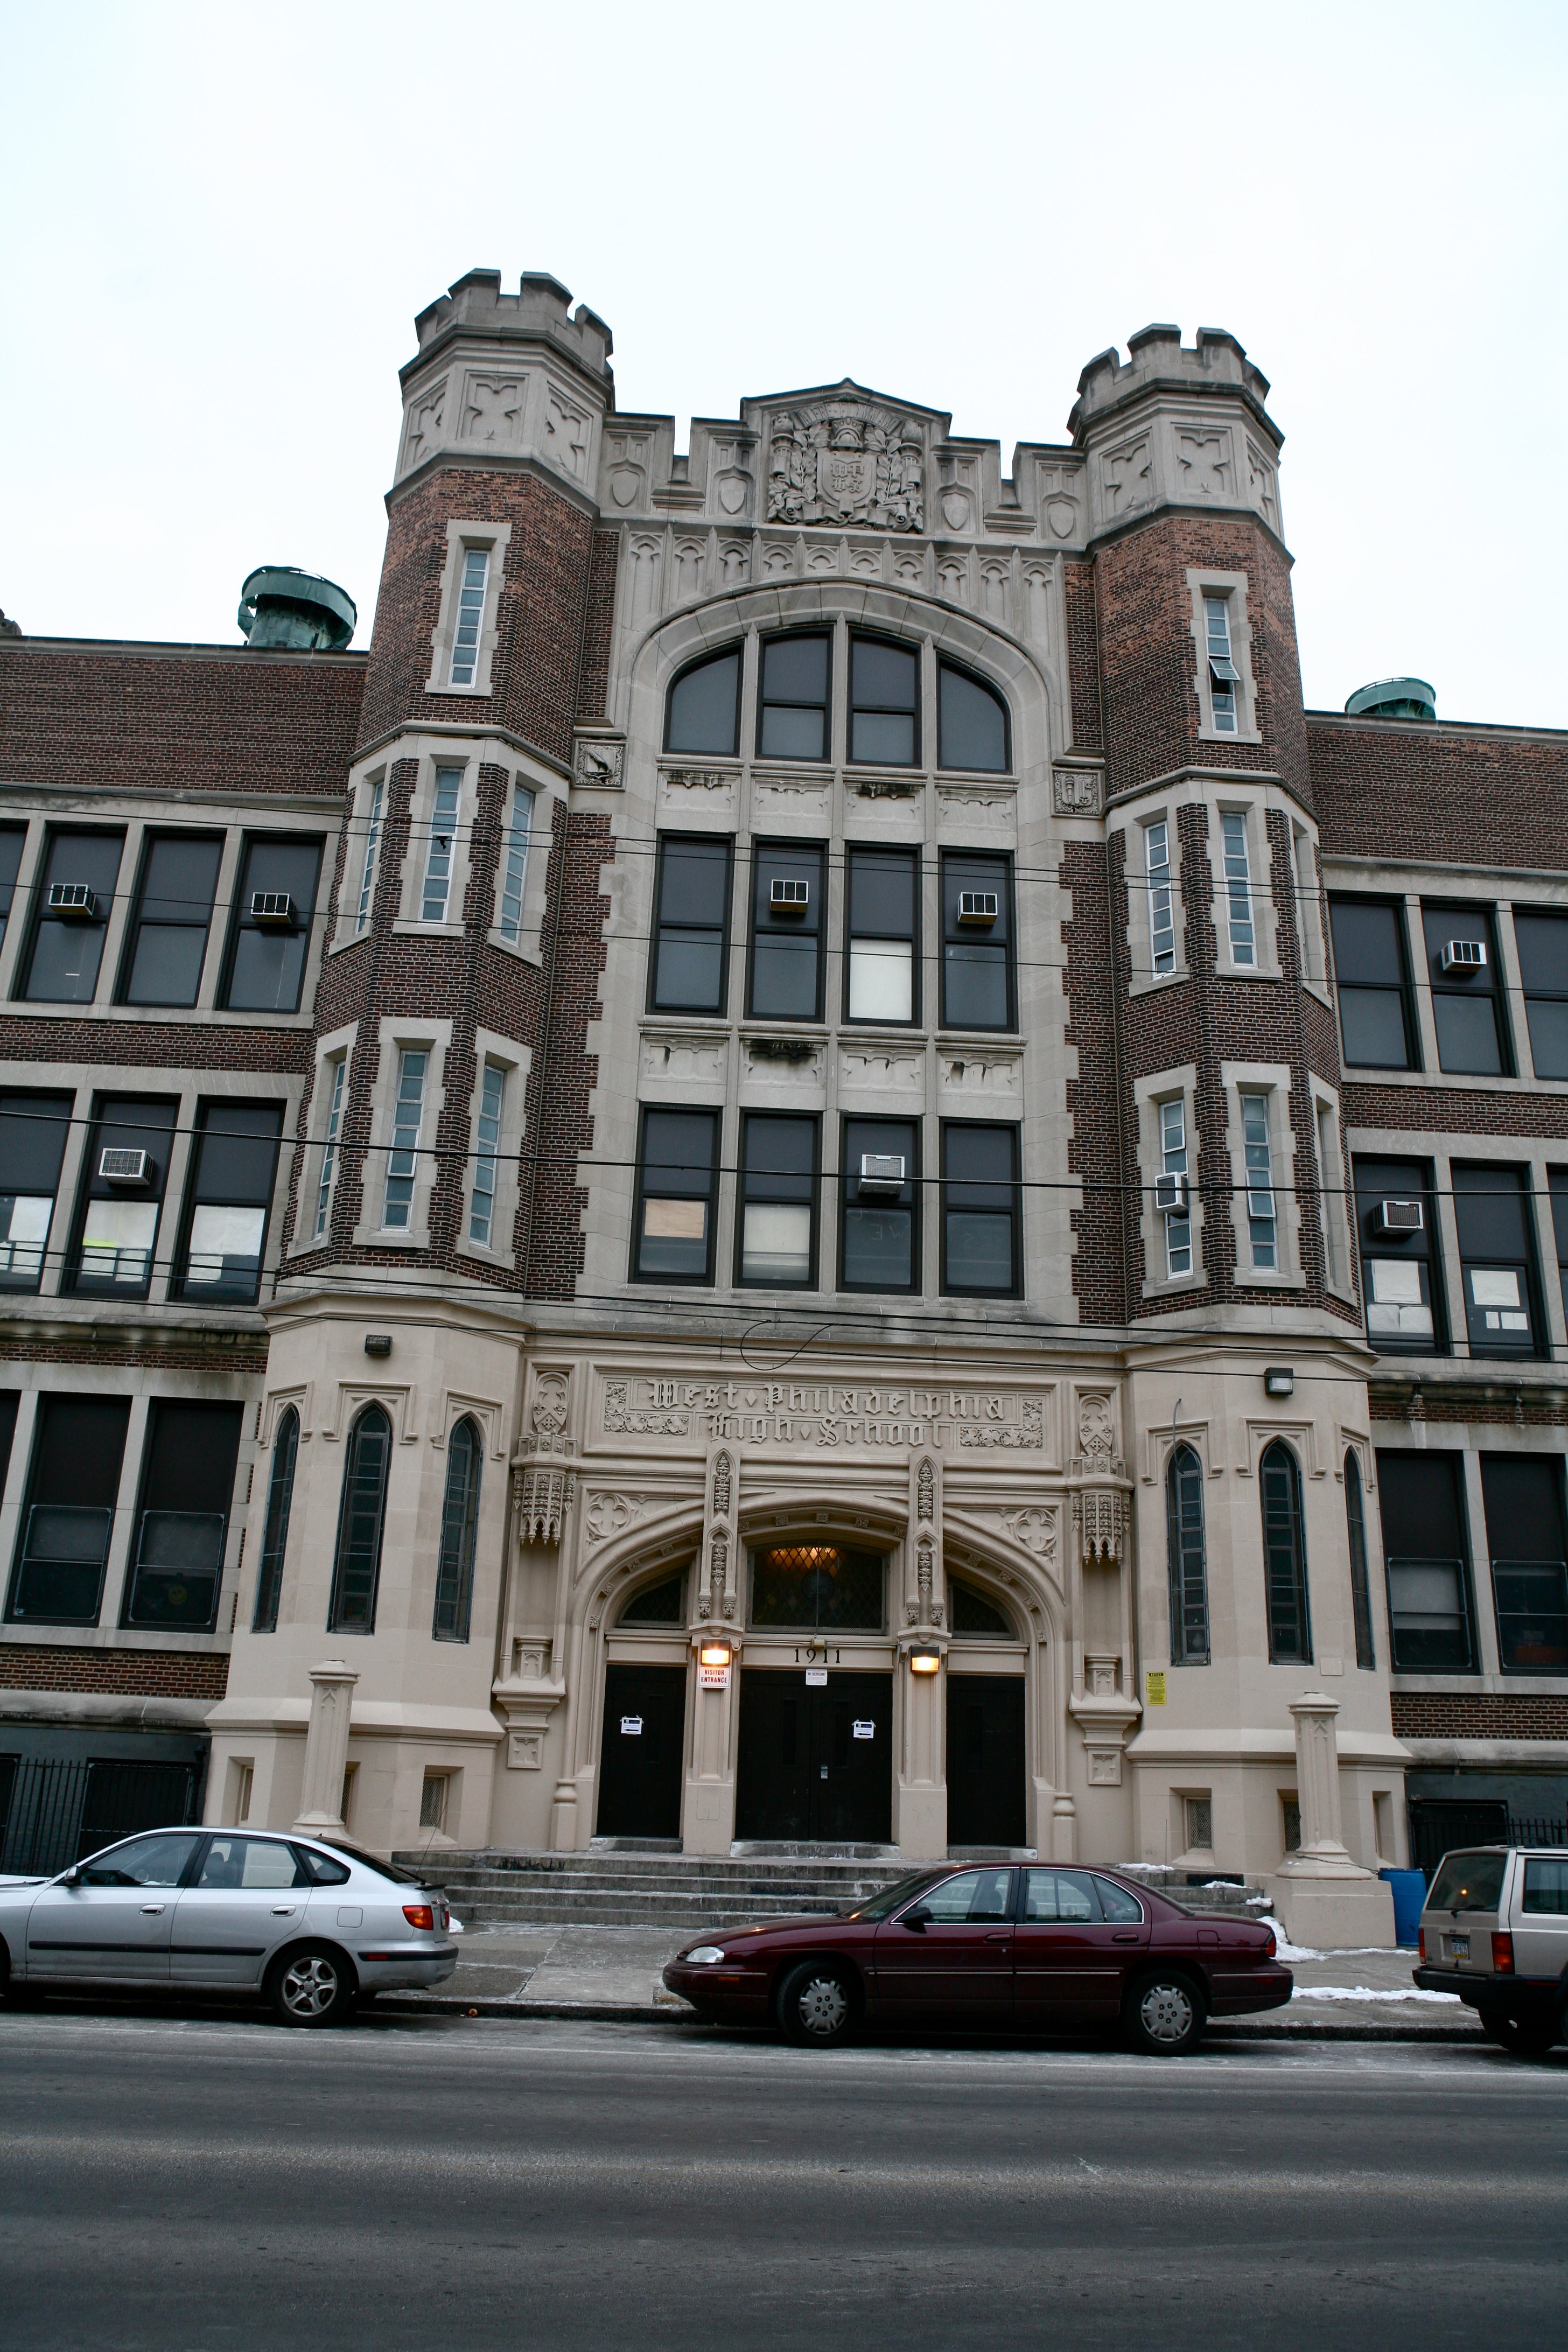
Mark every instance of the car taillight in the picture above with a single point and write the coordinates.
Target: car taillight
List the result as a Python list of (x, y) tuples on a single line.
[(1421, 1946), (1502, 1956), (419, 1914), (1270, 1946)]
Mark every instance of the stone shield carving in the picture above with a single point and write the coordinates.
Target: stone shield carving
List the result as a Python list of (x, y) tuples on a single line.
[(843, 461)]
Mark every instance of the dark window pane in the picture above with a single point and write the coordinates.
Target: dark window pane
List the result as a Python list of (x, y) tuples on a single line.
[(1548, 1018), (68, 1511), (705, 706), (791, 734), (1186, 1559), (793, 701), (880, 1229), (1543, 943), (881, 977), (67, 952), (12, 841), (818, 1586), (1374, 1023), (274, 1535), (235, 1161), (883, 737), (1529, 1561), (460, 1531), (970, 1613), (361, 1514), (166, 964), (1360, 1586), (656, 1604), (269, 963), (675, 1204), (882, 676), (976, 953), (979, 1206), (882, 893), (778, 1204), (1366, 942), (187, 1490), (1468, 1037), (179, 880), (972, 723), (1426, 1555), (692, 919), (786, 979), (1285, 1558), (33, 1131)]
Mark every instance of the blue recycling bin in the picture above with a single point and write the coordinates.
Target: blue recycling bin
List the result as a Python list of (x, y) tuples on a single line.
[(1409, 1891)]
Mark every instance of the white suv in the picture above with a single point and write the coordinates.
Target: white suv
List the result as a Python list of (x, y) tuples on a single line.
[(1495, 1931)]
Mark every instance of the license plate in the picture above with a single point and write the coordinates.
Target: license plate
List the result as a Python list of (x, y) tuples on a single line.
[(1458, 1948)]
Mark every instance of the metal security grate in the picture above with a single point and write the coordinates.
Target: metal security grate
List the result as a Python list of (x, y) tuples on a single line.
[(59, 1810)]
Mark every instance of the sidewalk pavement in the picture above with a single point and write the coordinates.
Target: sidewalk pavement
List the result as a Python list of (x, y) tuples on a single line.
[(617, 1973)]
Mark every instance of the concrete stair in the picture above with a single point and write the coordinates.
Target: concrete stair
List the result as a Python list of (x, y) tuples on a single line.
[(617, 1888)]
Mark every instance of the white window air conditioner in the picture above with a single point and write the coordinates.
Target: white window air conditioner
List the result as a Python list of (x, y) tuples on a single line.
[(272, 909), (74, 901), (1171, 1195), (881, 1171), (118, 1165), (1398, 1218), (1464, 955), (977, 906), (789, 898)]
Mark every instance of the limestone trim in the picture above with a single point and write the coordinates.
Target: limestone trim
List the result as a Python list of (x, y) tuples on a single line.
[(334, 1049), (489, 1411), (410, 914), (1160, 1442), (275, 1404), (1334, 1189), (494, 1051), (1272, 1080), (1300, 1436), (1149, 1093), (1232, 586), (399, 1398), (1145, 981), (495, 537), (347, 928)]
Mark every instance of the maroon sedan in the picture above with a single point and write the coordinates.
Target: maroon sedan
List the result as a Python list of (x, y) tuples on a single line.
[(1031, 1949)]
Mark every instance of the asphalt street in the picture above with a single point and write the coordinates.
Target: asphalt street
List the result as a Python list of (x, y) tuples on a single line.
[(181, 2183)]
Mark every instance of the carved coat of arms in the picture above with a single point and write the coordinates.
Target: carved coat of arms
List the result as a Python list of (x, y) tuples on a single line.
[(843, 461)]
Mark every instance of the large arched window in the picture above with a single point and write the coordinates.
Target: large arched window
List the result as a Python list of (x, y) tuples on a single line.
[(460, 1530), (1187, 1560), (1285, 1558), (972, 723), (1361, 1585), (361, 1517), (969, 1611), (703, 713), (274, 1535)]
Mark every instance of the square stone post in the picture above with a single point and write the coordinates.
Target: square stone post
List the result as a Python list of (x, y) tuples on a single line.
[(1323, 1897), (327, 1749)]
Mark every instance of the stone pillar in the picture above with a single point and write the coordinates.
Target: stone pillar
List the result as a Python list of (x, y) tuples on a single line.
[(326, 1748), (1323, 1897), (708, 1813)]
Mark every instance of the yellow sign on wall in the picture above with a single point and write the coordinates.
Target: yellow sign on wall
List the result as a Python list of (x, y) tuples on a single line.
[(1155, 1678)]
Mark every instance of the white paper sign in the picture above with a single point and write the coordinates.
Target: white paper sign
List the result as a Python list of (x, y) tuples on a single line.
[(815, 1678), (631, 1727), (865, 1731)]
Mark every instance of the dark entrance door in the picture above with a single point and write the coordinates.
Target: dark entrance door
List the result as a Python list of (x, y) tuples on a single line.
[(815, 1761), (984, 1759), (640, 1762)]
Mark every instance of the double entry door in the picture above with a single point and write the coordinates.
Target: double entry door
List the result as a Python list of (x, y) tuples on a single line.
[(816, 1761)]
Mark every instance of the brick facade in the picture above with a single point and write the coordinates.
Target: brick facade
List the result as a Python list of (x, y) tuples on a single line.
[(1448, 1715), (152, 1673)]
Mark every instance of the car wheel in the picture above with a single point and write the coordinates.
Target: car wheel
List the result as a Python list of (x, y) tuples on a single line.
[(312, 1986), (817, 2005), (1526, 2037), (1163, 2016)]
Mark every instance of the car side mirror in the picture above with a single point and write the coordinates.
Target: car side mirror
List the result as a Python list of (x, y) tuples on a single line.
[(917, 1918), (73, 1875)]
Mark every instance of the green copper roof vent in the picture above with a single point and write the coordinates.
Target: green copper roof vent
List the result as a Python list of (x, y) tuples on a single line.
[(280, 607), (1394, 697)]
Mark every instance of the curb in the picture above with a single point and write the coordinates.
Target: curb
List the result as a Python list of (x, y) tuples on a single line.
[(626, 2012)]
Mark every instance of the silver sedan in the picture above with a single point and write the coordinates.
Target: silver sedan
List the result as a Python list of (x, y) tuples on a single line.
[(313, 1928)]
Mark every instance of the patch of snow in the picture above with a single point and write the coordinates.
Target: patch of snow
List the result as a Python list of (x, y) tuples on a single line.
[(1287, 1951), (1371, 1992)]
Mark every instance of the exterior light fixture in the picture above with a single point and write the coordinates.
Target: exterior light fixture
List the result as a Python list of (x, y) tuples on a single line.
[(378, 1343), (925, 1661), (1278, 1379), (714, 1653)]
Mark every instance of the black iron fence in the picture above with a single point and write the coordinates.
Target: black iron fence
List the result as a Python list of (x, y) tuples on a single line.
[(55, 1811)]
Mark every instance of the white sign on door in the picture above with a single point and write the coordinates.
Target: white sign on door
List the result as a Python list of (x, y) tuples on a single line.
[(865, 1731), (631, 1727), (815, 1678)]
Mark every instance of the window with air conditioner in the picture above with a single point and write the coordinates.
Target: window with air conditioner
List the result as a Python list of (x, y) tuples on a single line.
[(75, 898), (1172, 1190), (879, 1222), (275, 910), (784, 979), (1466, 1000), (977, 976), (118, 1216), (1395, 1206)]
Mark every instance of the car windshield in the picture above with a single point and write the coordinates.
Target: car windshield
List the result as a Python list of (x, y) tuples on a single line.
[(368, 1862), (1468, 1881), (881, 1906)]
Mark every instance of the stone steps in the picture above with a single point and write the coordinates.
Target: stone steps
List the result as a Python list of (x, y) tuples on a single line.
[(677, 1893)]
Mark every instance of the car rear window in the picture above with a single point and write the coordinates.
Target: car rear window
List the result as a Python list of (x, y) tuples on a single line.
[(1468, 1881), (384, 1869), (1546, 1885)]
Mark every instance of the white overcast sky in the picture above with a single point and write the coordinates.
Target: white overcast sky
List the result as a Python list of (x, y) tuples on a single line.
[(217, 223)]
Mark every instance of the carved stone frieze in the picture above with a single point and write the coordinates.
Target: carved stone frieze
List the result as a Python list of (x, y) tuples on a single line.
[(845, 461), (1078, 791), (1034, 1528), (1102, 1522), (598, 764), (543, 1499), (622, 1418), (607, 1514)]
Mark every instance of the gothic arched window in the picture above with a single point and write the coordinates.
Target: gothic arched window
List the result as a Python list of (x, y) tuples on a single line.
[(460, 1531), (1188, 1558), (703, 713), (361, 1517), (1285, 1558), (274, 1535), (1361, 1585)]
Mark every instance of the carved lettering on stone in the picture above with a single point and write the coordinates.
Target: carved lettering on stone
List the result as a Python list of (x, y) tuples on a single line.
[(1027, 1431), (1076, 792), (622, 1419), (845, 461)]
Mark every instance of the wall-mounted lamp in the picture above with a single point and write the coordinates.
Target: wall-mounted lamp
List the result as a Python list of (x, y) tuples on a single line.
[(1278, 1379), (714, 1653), (378, 1343), (925, 1662)]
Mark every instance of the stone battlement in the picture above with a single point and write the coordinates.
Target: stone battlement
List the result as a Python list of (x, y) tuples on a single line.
[(539, 310), (1159, 362)]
